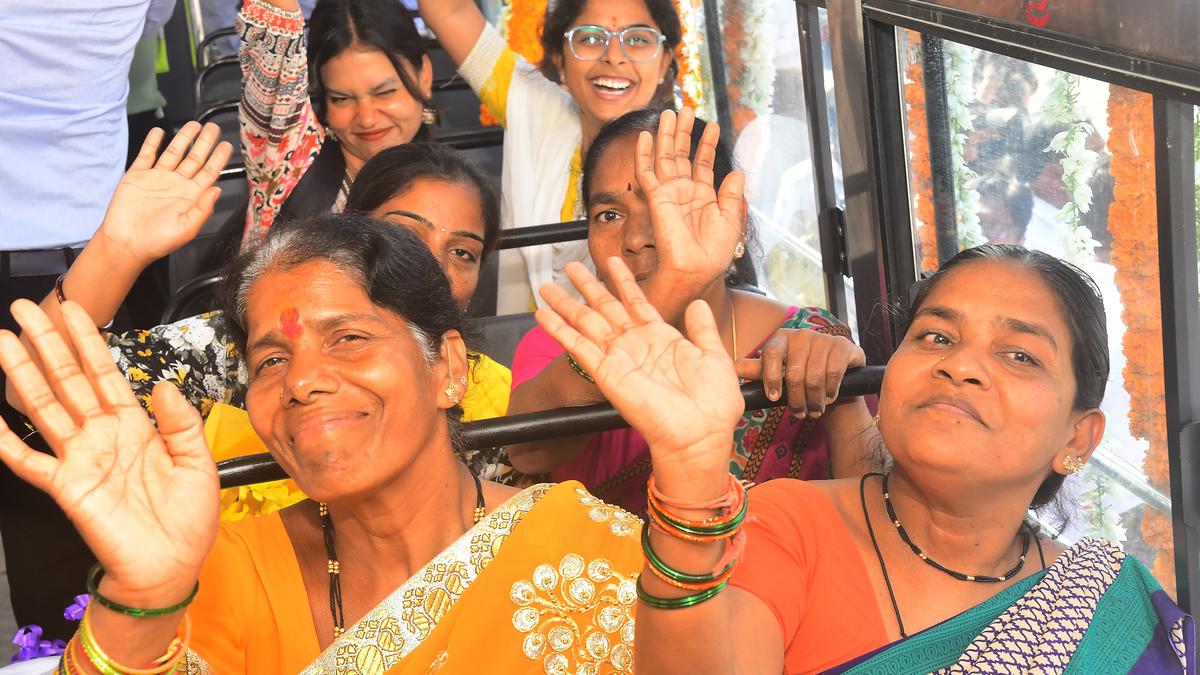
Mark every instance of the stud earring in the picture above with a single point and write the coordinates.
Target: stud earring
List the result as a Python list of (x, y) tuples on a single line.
[(430, 116), (1073, 464)]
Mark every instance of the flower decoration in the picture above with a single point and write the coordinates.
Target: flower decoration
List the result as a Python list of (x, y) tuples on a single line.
[(920, 172), (1133, 222), (959, 94), (690, 58), (749, 60), (1078, 163)]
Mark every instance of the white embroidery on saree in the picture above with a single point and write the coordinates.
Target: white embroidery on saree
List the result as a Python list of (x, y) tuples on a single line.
[(576, 617), (399, 624), (620, 522)]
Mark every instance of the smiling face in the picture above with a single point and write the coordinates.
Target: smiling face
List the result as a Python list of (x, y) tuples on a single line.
[(366, 104), (448, 217), (983, 384), (618, 214), (612, 86), (340, 390)]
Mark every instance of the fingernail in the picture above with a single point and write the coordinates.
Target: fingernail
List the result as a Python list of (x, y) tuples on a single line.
[(816, 413), (773, 394)]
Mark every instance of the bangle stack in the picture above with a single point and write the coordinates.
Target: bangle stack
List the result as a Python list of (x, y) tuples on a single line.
[(725, 526), (83, 650)]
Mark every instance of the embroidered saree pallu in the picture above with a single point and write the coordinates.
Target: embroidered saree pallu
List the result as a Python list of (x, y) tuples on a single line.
[(1093, 611)]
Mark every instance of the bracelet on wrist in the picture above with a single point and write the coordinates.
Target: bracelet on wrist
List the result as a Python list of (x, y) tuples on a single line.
[(683, 580), (62, 297), (679, 603), (83, 647), (93, 587), (579, 369)]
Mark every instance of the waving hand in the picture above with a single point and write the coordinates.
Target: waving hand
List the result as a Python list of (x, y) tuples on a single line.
[(160, 204), (696, 226), (680, 393), (144, 499)]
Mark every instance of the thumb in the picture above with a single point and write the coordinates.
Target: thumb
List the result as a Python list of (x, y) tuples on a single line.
[(181, 428)]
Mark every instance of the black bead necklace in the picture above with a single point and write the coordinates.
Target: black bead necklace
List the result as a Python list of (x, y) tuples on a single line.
[(335, 572), (978, 578)]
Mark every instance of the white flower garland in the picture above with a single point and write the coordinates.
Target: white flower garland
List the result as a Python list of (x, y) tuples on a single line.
[(1079, 163), (693, 65), (959, 94), (758, 54)]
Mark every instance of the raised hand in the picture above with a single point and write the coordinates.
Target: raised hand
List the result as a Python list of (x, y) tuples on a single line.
[(810, 364), (680, 393), (160, 204), (696, 227), (144, 499)]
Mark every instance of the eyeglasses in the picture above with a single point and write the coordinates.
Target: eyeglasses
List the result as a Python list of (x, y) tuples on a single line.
[(638, 43)]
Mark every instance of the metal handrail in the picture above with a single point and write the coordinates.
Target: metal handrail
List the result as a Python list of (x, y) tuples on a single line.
[(536, 235), (540, 426)]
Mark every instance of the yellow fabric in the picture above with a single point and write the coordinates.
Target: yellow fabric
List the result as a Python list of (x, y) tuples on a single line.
[(494, 94), (252, 613), (229, 434), (546, 583), (572, 205), (487, 389)]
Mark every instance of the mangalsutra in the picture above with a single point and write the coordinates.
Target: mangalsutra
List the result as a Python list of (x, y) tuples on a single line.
[(335, 568)]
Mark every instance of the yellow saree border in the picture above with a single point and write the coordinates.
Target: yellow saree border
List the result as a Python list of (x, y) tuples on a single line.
[(399, 624)]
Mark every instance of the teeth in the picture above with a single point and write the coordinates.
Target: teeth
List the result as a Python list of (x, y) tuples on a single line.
[(607, 83)]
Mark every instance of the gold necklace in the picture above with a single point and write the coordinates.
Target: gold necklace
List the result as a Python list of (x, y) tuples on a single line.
[(733, 328)]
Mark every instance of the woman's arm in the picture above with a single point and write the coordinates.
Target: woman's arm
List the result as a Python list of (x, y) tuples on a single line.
[(159, 205), (457, 24), (144, 499)]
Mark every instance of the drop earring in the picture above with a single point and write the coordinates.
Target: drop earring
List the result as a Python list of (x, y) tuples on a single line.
[(430, 116)]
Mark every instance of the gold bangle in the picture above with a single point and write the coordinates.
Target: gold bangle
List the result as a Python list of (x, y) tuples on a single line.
[(103, 663)]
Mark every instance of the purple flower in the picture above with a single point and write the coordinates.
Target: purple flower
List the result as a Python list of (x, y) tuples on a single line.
[(74, 611), (32, 646)]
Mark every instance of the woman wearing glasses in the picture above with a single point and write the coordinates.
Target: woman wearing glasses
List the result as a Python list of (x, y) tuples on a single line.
[(602, 60)]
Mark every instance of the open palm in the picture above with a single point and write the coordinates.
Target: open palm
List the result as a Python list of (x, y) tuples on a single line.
[(160, 205), (680, 393), (696, 227), (144, 499)]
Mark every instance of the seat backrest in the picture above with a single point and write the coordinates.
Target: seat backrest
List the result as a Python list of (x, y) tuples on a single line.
[(502, 333)]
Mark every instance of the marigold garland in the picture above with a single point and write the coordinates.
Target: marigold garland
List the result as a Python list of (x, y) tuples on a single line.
[(749, 65), (920, 172), (688, 55), (1133, 222)]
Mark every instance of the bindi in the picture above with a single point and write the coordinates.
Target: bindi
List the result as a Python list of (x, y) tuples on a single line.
[(629, 187), (289, 321)]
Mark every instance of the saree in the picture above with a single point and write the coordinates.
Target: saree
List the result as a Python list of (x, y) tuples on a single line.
[(1094, 610), (546, 583), (767, 444)]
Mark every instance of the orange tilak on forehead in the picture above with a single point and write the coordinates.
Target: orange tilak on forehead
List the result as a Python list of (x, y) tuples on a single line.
[(289, 321)]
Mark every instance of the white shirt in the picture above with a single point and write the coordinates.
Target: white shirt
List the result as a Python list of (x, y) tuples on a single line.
[(64, 69)]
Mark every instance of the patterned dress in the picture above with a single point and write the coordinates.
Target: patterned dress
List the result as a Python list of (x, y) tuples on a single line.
[(280, 133)]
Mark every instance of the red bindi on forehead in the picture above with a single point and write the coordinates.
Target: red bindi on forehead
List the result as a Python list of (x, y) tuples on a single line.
[(289, 321)]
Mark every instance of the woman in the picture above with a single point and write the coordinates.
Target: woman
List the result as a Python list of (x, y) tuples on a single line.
[(602, 59), (404, 562), (312, 117), (633, 187), (989, 402), (160, 205)]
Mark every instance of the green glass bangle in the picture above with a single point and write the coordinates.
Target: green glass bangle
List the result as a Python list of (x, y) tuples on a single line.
[(705, 531), (679, 603), (579, 369), (93, 587), (672, 573)]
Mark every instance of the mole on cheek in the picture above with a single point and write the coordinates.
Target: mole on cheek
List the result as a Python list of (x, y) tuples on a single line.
[(289, 321)]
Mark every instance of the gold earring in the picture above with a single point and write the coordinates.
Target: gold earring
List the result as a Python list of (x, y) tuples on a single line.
[(1073, 464), (739, 250), (875, 421), (430, 116), (451, 390)]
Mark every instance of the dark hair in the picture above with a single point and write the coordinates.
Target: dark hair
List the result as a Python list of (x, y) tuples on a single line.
[(392, 265), (393, 170), (633, 123), (385, 25), (561, 14), (1081, 304)]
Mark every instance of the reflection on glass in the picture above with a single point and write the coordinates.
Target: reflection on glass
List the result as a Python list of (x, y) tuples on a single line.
[(1065, 165)]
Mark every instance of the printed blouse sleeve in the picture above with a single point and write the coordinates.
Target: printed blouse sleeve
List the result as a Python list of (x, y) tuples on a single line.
[(279, 129), (196, 354)]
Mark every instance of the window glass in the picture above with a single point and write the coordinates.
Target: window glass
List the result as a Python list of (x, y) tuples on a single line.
[(1065, 165)]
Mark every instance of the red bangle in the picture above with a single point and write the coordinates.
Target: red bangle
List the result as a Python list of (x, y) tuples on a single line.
[(62, 297)]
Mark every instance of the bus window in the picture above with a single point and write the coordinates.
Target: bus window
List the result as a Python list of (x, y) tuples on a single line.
[(1002, 150)]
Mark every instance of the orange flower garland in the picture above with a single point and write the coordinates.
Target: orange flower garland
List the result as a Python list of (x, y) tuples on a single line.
[(687, 55), (920, 173), (525, 18), (1133, 222), (734, 30)]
